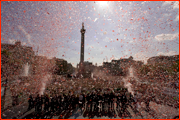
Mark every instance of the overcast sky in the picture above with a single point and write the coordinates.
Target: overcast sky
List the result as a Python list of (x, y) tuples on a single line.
[(114, 30)]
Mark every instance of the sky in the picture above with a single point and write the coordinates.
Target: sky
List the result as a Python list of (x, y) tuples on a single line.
[(114, 29)]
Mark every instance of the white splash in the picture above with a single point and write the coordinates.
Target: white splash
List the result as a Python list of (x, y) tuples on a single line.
[(126, 81), (131, 72), (92, 75), (26, 69), (44, 82), (128, 85)]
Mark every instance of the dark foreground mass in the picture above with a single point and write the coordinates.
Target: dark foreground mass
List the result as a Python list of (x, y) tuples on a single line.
[(118, 104)]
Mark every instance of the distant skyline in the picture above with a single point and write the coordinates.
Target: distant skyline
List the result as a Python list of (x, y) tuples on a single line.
[(114, 29)]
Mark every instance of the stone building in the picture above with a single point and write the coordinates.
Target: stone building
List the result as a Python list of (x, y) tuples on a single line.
[(62, 66), (121, 66), (168, 60), (14, 58)]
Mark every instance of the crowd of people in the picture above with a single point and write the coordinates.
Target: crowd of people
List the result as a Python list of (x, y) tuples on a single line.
[(61, 93), (96, 102)]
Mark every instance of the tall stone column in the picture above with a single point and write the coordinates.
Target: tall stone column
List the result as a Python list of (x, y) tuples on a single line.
[(82, 50), (82, 43)]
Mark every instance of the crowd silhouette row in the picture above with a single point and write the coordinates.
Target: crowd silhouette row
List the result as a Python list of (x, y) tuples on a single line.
[(96, 102)]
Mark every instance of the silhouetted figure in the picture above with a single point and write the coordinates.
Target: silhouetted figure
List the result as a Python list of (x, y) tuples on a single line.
[(98, 101), (59, 98), (52, 104), (88, 98), (147, 101), (124, 102), (73, 102), (95, 102), (106, 96), (40, 103), (81, 102), (46, 103), (109, 101), (69, 76), (135, 100), (37, 103), (65, 102), (103, 101), (30, 101), (118, 101), (84, 100), (112, 100), (55, 102)]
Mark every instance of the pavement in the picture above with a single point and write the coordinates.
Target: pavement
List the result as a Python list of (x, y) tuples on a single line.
[(15, 112)]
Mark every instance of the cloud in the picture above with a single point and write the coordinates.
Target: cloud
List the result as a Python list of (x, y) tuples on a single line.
[(24, 43), (170, 53), (11, 41), (140, 57), (177, 18), (162, 37), (107, 39), (175, 4), (28, 36), (167, 14), (167, 3)]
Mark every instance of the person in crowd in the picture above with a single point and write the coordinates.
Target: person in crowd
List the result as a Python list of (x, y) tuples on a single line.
[(130, 99), (91, 101), (84, 100), (147, 101), (106, 100), (65, 102), (124, 102), (30, 101), (88, 98), (73, 102), (111, 100), (46, 103), (69, 100), (55, 102), (135, 100), (118, 100), (94, 101), (76, 101), (40, 103), (37, 103), (52, 103), (81, 102), (98, 101), (103, 100), (16, 99)]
